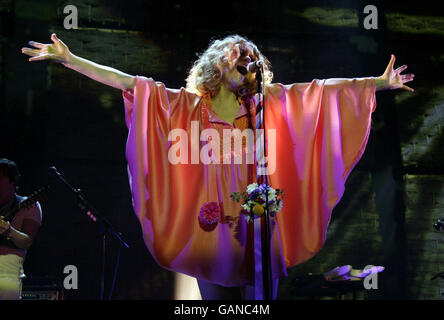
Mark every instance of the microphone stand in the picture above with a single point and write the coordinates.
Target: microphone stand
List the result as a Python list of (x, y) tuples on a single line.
[(266, 261), (105, 225)]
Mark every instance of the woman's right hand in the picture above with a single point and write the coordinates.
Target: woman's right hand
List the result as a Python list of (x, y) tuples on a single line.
[(57, 51)]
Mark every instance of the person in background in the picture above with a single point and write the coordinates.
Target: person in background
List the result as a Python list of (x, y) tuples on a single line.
[(17, 231)]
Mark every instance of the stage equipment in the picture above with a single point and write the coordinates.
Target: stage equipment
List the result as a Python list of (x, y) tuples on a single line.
[(105, 226)]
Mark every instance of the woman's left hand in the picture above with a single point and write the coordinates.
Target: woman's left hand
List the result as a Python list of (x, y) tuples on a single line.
[(393, 79)]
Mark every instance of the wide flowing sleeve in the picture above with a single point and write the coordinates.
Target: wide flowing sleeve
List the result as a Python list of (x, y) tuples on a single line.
[(322, 130), (151, 111)]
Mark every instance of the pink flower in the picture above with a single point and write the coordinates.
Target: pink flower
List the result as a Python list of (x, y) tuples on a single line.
[(209, 214)]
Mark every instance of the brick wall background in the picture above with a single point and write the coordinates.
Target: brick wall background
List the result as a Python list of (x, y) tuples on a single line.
[(51, 116)]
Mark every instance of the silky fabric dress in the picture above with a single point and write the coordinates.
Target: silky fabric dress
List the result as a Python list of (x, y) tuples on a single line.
[(321, 128)]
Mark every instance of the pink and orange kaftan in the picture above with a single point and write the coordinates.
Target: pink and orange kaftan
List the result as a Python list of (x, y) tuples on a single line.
[(322, 129)]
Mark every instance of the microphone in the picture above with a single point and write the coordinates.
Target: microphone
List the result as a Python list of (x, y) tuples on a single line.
[(252, 67), (54, 170), (255, 66)]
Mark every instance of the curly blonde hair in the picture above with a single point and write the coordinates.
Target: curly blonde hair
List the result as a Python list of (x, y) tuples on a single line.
[(205, 76)]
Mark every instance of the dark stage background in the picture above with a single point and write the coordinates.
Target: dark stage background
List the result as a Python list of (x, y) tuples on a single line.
[(52, 116)]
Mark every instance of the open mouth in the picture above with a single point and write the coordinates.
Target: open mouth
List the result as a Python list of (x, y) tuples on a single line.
[(242, 70)]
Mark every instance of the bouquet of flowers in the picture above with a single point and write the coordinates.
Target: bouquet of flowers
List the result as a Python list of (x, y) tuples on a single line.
[(254, 200)]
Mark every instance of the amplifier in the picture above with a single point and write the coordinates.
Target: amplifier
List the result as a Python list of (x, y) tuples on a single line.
[(41, 295), (41, 288)]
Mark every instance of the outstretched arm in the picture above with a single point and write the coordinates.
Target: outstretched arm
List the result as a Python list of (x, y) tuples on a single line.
[(393, 79), (59, 52)]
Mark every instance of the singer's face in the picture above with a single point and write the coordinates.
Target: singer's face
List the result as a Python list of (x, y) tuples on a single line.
[(233, 78)]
